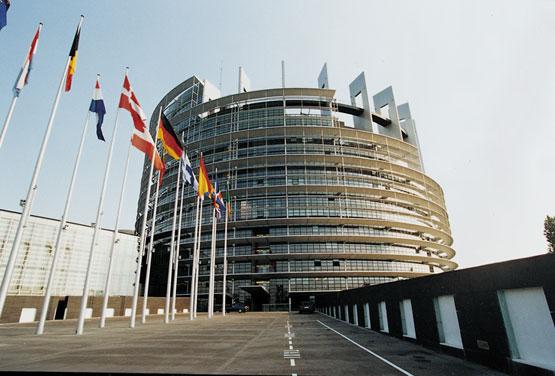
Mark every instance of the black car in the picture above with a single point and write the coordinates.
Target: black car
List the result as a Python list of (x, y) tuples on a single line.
[(306, 307), (238, 307)]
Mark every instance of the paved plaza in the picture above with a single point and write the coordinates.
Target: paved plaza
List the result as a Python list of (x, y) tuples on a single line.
[(243, 344)]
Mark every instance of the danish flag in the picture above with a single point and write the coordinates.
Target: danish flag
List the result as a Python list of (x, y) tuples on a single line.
[(141, 138)]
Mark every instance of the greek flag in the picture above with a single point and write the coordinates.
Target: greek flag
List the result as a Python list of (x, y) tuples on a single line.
[(188, 174)]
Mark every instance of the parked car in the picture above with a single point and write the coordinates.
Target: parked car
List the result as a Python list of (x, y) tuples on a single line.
[(238, 307), (306, 307)]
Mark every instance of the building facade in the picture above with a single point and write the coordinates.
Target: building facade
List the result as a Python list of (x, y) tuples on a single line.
[(32, 266), (326, 195), (500, 315)]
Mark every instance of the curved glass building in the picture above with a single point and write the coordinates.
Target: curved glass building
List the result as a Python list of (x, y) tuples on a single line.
[(326, 195)]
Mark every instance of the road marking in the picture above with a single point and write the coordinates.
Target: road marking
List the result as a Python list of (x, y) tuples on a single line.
[(368, 351), (290, 354)]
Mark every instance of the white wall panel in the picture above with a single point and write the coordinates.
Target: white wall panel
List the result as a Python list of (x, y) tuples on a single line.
[(529, 325), (407, 318), (447, 321)]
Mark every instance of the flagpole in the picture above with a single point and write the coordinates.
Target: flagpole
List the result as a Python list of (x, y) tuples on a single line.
[(177, 246), (212, 266), (172, 244), (197, 257), (193, 265), (114, 241), (8, 119), (61, 228), (99, 213), (143, 231), (150, 247), (31, 193), (225, 263)]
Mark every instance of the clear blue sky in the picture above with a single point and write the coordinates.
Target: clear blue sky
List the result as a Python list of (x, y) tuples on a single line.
[(479, 76)]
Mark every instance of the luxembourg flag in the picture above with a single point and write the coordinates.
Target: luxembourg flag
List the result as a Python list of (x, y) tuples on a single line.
[(23, 77), (97, 106)]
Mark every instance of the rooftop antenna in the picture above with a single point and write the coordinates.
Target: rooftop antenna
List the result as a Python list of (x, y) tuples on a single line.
[(221, 71), (283, 73)]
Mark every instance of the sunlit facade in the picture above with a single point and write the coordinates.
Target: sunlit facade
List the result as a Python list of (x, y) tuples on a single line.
[(326, 195), (32, 266)]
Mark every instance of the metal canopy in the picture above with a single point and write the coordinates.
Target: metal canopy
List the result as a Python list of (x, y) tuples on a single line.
[(257, 291)]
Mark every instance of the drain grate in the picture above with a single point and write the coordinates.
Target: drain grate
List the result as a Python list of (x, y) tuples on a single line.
[(421, 359)]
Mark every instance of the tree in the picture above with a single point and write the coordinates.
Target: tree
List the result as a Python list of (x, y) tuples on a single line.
[(549, 232)]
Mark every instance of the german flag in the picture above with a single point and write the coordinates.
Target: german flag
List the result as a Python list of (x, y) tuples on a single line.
[(169, 139), (73, 56)]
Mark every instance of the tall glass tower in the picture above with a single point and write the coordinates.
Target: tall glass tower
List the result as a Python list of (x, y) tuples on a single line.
[(326, 195)]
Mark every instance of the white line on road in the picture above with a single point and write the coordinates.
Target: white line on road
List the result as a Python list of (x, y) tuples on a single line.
[(290, 354), (368, 351)]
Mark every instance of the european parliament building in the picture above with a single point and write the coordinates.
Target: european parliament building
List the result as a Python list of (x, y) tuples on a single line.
[(326, 195)]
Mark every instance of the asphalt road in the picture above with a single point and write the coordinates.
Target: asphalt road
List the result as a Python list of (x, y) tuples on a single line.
[(243, 344)]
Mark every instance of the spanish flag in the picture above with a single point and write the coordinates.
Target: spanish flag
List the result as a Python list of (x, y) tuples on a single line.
[(169, 139), (204, 183), (227, 200), (73, 57)]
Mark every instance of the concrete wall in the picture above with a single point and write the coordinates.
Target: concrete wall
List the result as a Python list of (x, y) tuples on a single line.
[(484, 329), (15, 304)]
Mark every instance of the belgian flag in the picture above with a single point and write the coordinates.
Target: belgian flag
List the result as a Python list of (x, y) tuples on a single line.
[(73, 57), (169, 139)]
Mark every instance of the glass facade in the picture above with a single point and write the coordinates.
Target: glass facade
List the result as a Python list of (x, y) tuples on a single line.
[(317, 204), (32, 266)]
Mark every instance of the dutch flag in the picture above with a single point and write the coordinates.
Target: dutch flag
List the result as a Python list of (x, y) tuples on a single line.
[(4, 6), (97, 106)]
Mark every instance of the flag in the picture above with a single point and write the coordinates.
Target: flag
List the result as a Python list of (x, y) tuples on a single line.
[(141, 138), (162, 172), (227, 200), (204, 183), (23, 77), (73, 58), (188, 174), (4, 5), (169, 139), (218, 200), (97, 106)]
